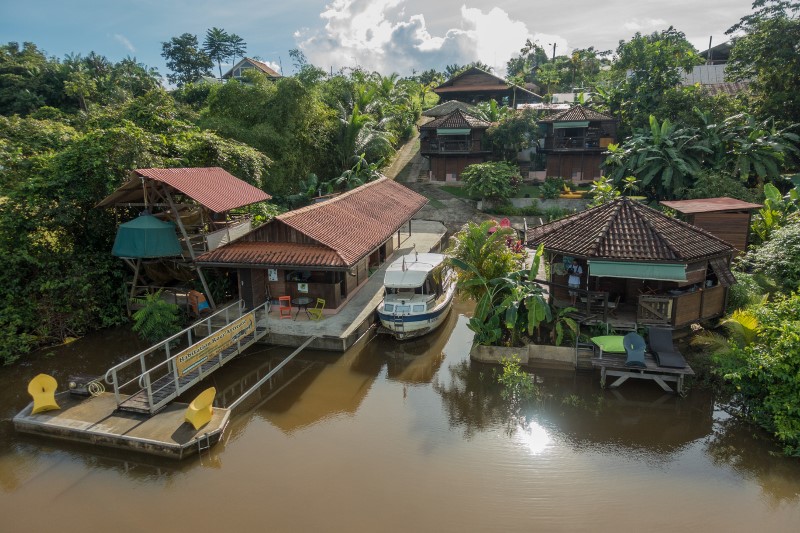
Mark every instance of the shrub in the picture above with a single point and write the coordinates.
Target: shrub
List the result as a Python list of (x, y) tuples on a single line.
[(492, 181), (765, 372), (157, 319), (552, 188), (779, 257)]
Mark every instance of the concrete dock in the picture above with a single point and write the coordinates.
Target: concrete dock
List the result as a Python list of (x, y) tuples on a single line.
[(339, 331), (94, 420)]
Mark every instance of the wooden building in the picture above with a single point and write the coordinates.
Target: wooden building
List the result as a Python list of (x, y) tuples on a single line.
[(574, 142), (727, 218), (200, 202), (452, 142), (325, 250), (661, 270), (237, 71), (475, 85)]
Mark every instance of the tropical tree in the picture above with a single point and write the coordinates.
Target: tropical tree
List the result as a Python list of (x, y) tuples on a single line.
[(665, 158), (492, 181), (766, 56), (483, 247), (217, 46), (185, 59), (646, 77), (238, 47), (779, 257)]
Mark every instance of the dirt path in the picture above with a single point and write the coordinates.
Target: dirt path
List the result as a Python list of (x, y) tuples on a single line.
[(443, 207)]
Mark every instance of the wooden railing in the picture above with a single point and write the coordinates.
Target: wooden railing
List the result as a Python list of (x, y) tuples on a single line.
[(444, 147)]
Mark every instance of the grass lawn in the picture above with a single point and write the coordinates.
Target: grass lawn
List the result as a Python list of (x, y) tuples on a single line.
[(460, 192)]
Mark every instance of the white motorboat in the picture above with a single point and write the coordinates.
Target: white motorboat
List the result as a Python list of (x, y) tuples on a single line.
[(418, 295)]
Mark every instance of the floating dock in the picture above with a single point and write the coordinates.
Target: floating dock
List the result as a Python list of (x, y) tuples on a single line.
[(96, 420)]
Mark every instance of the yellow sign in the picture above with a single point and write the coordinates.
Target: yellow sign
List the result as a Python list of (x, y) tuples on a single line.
[(201, 351)]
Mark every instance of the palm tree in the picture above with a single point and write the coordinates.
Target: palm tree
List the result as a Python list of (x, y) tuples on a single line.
[(217, 46), (238, 46)]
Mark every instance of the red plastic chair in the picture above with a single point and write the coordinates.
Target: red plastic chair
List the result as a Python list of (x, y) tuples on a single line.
[(285, 306)]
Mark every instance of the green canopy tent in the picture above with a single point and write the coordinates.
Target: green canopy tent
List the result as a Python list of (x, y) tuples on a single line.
[(145, 237)]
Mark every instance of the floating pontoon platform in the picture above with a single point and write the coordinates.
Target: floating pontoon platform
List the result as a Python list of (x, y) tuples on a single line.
[(96, 420)]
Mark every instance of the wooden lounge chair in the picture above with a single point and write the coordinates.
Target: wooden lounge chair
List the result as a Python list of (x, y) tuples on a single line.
[(664, 351), (43, 389), (199, 412), (634, 347), (315, 313)]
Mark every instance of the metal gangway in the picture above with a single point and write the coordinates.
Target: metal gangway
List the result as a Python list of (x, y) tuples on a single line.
[(148, 381)]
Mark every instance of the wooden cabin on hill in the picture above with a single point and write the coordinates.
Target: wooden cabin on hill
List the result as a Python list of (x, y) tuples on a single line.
[(452, 142), (574, 142), (247, 64), (475, 85)]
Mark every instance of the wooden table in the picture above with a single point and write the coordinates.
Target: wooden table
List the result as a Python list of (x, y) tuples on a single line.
[(614, 365)]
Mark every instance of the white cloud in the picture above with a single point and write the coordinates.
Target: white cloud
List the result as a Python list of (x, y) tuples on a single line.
[(124, 42), (645, 25), (380, 35)]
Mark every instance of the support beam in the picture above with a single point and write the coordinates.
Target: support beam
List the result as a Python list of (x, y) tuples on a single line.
[(179, 222)]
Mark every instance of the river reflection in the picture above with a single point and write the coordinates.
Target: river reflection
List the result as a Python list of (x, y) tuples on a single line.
[(406, 436)]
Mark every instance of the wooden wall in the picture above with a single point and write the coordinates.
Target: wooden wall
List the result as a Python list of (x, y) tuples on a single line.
[(252, 287), (441, 166), (733, 227), (566, 165)]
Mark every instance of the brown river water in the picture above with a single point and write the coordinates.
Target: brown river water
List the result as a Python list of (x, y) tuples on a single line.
[(404, 437)]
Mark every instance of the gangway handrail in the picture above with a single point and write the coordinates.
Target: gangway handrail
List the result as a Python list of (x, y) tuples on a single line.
[(168, 365), (137, 357), (271, 373)]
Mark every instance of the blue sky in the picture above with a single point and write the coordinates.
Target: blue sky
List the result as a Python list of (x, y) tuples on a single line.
[(384, 35)]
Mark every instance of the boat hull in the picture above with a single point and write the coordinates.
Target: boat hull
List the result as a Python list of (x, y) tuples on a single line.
[(403, 327)]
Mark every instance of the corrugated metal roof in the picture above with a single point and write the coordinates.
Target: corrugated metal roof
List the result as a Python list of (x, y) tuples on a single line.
[(628, 231), (212, 187), (456, 119), (708, 205), (358, 221), (273, 254), (732, 88), (576, 113)]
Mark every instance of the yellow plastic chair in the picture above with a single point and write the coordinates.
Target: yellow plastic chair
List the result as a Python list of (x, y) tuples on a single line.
[(43, 390), (199, 412), (316, 311)]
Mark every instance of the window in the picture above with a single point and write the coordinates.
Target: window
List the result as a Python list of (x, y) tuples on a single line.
[(403, 308), (419, 308), (388, 307)]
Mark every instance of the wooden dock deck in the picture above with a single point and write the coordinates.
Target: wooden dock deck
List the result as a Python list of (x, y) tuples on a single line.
[(611, 364), (96, 421)]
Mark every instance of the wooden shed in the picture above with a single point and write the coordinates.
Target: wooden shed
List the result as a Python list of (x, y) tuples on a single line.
[(727, 218)]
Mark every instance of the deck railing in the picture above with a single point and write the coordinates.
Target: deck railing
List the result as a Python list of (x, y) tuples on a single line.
[(155, 369)]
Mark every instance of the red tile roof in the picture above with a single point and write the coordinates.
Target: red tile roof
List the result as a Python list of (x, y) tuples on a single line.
[(576, 113), (358, 221), (344, 229), (212, 187), (627, 230), (260, 65), (276, 254), (456, 119), (708, 205)]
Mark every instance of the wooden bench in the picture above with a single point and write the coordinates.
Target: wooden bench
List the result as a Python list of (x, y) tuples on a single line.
[(614, 365)]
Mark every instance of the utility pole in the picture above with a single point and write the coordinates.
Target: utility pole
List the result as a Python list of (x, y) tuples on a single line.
[(554, 52)]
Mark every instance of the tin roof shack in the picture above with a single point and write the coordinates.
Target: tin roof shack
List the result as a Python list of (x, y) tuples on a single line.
[(574, 142), (452, 142), (727, 218), (199, 201), (475, 85), (662, 271), (325, 250)]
